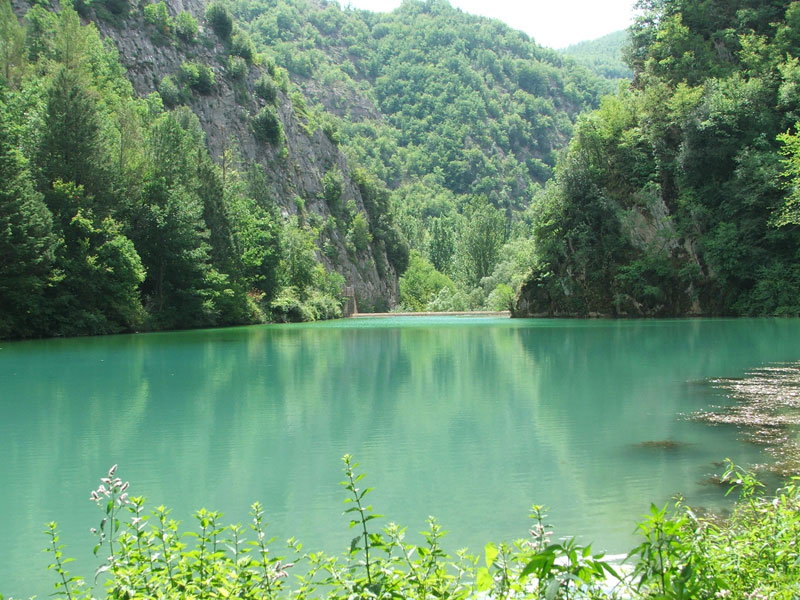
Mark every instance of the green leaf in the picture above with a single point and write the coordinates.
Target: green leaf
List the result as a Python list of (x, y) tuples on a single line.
[(484, 579), (491, 553), (541, 564), (552, 590)]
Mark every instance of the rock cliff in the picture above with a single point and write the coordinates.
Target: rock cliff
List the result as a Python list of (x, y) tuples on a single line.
[(294, 169)]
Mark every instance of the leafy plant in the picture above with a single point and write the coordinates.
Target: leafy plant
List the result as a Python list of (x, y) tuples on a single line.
[(266, 126), (753, 554), (186, 26), (219, 18)]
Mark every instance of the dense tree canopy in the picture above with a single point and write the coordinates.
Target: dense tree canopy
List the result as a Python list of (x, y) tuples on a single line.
[(677, 194), (113, 216), (670, 198)]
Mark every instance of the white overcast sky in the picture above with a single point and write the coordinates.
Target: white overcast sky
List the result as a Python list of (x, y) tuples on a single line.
[(552, 23)]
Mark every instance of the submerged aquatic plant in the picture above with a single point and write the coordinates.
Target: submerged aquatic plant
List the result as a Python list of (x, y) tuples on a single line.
[(766, 408)]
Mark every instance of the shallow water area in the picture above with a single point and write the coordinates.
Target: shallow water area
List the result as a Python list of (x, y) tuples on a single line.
[(471, 420)]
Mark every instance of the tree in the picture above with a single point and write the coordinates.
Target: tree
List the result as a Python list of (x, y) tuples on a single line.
[(72, 148), (481, 236), (27, 243), (421, 283), (167, 225), (790, 150), (298, 259), (441, 244), (186, 26), (12, 46), (266, 126), (157, 15), (220, 19), (359, 232), (99, 290), (172, 239)]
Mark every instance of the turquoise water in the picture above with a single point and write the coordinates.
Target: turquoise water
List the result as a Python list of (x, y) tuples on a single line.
[(471, 420)]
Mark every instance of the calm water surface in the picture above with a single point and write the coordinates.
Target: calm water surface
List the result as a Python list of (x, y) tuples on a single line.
[(470, 420)]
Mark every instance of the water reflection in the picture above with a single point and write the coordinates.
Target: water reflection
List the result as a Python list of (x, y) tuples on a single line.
[(468, 420)]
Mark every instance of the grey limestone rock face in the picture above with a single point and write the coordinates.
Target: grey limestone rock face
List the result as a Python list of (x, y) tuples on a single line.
[(294, 168)]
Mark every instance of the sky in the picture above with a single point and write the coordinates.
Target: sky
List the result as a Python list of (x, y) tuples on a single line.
[(552, 23)]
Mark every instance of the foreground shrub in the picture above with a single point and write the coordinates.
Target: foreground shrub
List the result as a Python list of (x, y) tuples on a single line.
[(752, 555)]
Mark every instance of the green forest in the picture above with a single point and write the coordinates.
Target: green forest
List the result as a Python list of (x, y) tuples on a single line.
[(677, 195), (430, 159)]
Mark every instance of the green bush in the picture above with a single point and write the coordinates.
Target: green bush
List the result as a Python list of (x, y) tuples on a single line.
[(266, 126), (359, 232), (332, 186), (242, 45), (157, 15), (266, 89), (288, 307), (189, 74), (169, 92), (237, 67), (501, 298), (206, 79), (186, 26), (197, 76), (753, 554), (219, 18), (421, 283)]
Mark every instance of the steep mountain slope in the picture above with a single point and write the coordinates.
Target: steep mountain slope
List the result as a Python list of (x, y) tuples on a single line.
[(298, 134), (255, 223), (671, 198), (459, 116), (294, 171), (605, 55), (429, 90)]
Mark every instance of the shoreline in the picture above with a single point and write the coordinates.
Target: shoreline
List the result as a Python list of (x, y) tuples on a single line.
[(473, 313)]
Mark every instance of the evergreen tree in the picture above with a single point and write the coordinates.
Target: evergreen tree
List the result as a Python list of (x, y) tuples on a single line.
[(12, 46), (72, 148), (27, 243)]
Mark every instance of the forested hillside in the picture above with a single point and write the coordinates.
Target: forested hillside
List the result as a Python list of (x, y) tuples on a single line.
[(186, 165), (460, 116), (194, 164), (115, 216), (678, 196), (605, 55)]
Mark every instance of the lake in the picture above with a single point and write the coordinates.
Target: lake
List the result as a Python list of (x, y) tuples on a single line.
[(471, 420)]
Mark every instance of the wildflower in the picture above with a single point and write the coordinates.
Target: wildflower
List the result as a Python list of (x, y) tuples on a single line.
[(280, 570), (112, 470)]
